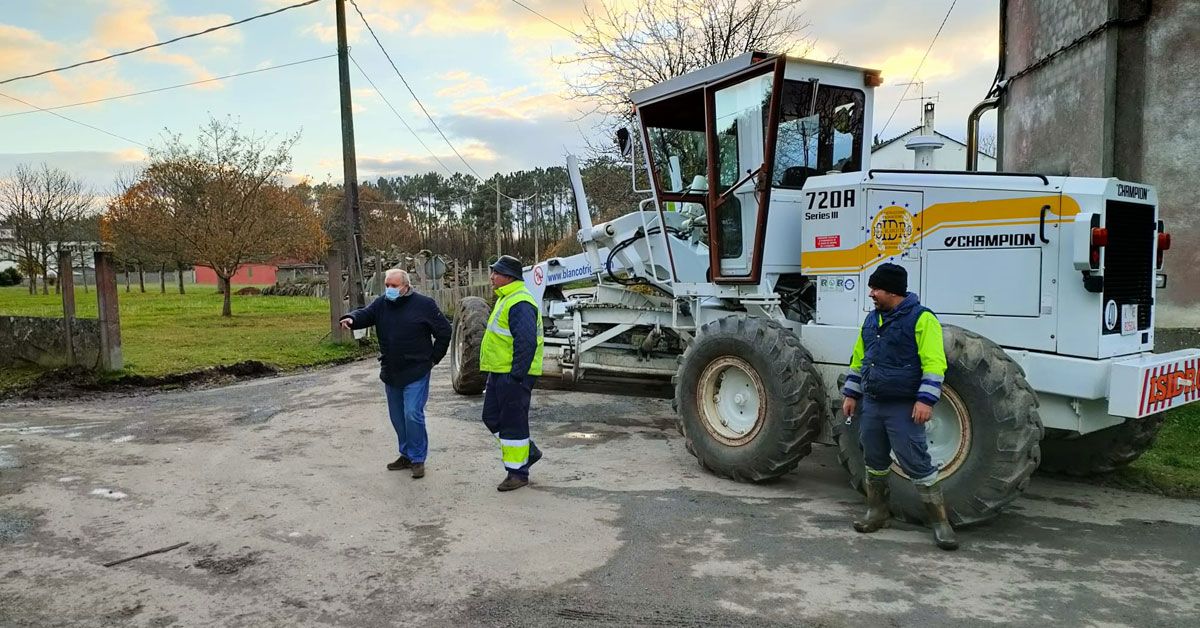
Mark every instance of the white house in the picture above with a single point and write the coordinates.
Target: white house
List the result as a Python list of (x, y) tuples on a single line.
[(951, 156)]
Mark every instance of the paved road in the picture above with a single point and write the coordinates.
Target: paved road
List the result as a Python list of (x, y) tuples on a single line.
[(278, 486)]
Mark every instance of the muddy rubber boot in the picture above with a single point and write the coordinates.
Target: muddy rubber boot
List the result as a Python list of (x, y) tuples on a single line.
[(878, 512), (935, 509)]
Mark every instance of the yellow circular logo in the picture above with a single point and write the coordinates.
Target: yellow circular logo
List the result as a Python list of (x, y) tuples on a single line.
[(892, 230)]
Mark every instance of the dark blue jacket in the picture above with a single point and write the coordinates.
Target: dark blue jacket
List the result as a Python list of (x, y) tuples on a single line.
[(891, 367), (413, 335)]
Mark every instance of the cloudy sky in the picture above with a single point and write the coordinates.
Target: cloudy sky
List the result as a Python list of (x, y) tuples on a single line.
[(488, 71)]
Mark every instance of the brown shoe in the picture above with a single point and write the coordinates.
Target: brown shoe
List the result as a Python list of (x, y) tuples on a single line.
[(512, 483), (400, 464), (418, 470)]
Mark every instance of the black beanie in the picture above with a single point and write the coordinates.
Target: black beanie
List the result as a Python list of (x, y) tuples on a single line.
[(890, 277)]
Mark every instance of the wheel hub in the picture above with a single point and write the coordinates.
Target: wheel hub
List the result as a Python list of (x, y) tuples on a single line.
[(732, 400), (947, 434)]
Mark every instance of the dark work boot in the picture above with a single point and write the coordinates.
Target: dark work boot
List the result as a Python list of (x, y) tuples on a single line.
[(535, 454), (878, 512), (418, 470), (400, 464), (935, 512), (512, 483)]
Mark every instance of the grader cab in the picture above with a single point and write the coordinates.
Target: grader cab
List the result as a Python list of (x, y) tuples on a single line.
[(741, 279)]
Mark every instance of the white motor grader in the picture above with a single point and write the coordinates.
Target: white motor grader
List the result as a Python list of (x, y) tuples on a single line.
[(741, 278)]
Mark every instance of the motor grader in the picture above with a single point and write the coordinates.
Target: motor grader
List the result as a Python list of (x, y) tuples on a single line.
[(741, 279)]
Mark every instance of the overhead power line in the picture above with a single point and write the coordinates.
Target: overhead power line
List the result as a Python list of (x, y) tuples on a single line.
[(74, 121), (161, 43), (170, 87), (918, 70), (524, 6), (421, 105), (400, 117)]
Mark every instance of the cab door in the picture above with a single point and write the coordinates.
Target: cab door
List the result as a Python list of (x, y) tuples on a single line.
[(741, 112)]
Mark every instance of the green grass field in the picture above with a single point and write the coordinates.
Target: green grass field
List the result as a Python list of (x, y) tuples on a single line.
[(174, 333)]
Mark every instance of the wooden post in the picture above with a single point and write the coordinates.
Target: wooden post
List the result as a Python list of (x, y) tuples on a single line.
[(110, 314), (66, 279), (333, 266)]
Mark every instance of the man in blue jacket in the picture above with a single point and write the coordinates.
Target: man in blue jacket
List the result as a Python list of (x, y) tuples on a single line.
[(896, 370), (413, 337)]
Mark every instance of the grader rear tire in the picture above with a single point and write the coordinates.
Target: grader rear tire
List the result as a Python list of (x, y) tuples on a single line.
[(984, 436), (1102, 451), (465, 343), (749, 399)]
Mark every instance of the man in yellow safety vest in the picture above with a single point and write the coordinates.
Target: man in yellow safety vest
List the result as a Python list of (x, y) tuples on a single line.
[(511, 355)]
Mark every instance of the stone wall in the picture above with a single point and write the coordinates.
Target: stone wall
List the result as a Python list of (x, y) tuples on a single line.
[(38, 341), (1122, 104)]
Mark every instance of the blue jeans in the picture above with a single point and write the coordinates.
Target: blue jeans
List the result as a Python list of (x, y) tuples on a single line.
[(406, 407)]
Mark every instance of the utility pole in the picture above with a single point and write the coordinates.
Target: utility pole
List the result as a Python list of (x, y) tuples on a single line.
[(498, 252), (353, 245), (537, 215)]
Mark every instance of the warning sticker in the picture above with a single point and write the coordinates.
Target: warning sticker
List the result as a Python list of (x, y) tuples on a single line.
[(538, 275), (829, 242)]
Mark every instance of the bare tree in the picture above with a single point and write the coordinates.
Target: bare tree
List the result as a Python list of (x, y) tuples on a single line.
[(44, 207), (222, 202), (626, 47), (988, 144)]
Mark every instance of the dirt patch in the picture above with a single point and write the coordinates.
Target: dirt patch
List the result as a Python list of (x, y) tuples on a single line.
[(71, 382), (223, 565), (13, 526)]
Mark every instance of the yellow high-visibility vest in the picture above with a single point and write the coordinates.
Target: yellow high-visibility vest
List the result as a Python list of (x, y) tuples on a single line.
[(496, 354)]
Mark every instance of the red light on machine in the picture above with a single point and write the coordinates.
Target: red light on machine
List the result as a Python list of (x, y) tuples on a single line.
[(1164, 243), (1099, 236)]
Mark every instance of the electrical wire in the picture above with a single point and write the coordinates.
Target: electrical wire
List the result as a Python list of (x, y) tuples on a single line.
[(161, 43), (74, 121), (422, 105), (170, 87), (523, 6), (918, 70), (400, 117)]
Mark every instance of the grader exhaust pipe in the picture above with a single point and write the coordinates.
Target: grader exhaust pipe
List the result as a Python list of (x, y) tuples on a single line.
[(973, 131)]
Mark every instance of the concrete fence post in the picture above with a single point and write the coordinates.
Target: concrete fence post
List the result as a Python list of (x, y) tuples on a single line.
[(66, 281), (110, 314)]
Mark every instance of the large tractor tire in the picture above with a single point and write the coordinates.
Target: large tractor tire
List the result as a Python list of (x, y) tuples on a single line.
[(465, 342), (1102, 451), (749, 399), (984, 436)]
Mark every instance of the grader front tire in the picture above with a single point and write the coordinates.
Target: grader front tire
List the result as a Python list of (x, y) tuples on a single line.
[(465, 343), (749, 399)]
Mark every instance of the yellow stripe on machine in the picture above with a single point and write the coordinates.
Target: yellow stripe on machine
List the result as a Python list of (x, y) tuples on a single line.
[(994, 213)]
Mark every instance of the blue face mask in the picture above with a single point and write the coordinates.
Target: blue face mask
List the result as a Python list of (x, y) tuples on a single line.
[(391, 294)]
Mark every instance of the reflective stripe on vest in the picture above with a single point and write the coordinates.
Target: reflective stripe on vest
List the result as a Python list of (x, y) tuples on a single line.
[(496, 354)]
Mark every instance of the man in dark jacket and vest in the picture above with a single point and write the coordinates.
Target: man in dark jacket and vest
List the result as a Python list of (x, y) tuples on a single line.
[(896, 371), (511, 355), (413, 337)]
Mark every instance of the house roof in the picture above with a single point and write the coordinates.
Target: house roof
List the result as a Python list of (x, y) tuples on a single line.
[(917, 128)]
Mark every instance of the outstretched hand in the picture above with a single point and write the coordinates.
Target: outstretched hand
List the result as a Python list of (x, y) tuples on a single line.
[(346, 322)]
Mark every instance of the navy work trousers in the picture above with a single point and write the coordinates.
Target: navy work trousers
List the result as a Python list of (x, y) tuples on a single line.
[(506, 415), (888, 426)]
